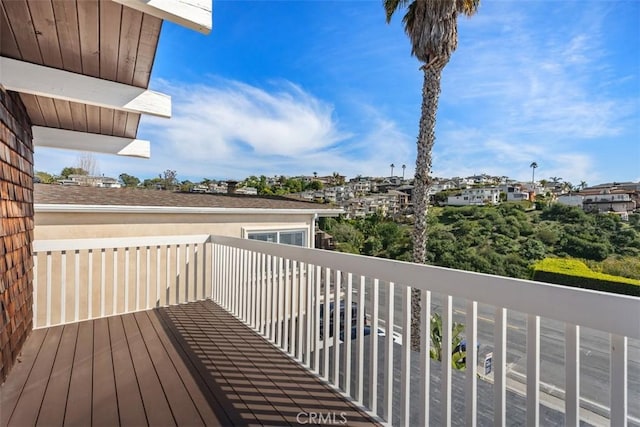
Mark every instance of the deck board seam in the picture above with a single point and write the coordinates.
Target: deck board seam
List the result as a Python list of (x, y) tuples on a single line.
[(53, 363), (174, 331), (214, 326), (66, 400), (176, 369), (26, 380), (144, 409)]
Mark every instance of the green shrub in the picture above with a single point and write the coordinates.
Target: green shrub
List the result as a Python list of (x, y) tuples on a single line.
[(575, 273)]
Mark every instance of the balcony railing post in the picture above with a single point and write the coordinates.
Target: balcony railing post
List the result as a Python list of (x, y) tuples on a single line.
[(445, 379), (533, 370), (572, 375), (425, 359), (619, 384), (499, 368)]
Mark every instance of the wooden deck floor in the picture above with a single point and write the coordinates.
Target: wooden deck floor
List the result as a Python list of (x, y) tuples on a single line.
[(185, 365)]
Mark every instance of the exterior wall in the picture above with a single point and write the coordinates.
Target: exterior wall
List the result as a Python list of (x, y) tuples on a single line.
[(16, 228), (69, 225)]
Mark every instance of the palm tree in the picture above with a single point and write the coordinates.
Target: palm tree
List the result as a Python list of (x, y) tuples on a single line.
[(432, 28), (533, 167), (403, 168), (392, 166), (583, 185)]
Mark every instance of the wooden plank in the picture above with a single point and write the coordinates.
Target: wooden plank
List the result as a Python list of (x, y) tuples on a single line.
[(89, 33), (287, 386), (36, 384), (80, 387), (129, 40), (20, 18), (44, 23), (131, 128), (155, 402), (66, 14), (72, 140), (11, 389), (182, 406), (119, 123), (63, 111), (106, 121), (93, 119), (8, 44), (204, 363), (206, 404), (55, 398), (105, 407), (21, 76), (49, 113), (78, 116), (147, 46), (130, 407), (192, 14), (110, 14), (33, 109)]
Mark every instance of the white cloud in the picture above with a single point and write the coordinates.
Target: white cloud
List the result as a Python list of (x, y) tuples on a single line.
[(229, 129)]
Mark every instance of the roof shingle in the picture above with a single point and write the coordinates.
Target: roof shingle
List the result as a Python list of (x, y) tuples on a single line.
[(49, 194)]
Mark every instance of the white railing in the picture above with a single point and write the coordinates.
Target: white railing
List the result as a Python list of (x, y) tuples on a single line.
[(283, 292), (80, 279), (280, 291)]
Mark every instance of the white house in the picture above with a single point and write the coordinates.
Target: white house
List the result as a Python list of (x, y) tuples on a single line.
[(475, 196)]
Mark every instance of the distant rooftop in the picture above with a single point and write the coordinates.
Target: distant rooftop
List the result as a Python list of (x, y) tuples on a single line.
[(49, 194)]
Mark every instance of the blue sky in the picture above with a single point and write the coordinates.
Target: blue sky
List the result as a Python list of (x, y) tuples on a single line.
[(296, 87)]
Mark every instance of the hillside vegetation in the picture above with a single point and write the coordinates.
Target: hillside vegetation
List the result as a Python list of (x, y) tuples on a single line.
[(504, 240)]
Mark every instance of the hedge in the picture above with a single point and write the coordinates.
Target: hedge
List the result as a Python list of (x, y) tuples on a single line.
[(572, 272)]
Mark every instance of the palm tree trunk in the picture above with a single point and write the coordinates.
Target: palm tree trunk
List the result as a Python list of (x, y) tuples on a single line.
[(422, 183)]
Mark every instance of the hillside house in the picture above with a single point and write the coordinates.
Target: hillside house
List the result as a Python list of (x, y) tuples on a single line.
[(475, 196)]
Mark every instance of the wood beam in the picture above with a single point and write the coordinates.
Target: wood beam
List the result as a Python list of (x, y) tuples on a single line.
[(83, 141), (20, 76), (193, 14)]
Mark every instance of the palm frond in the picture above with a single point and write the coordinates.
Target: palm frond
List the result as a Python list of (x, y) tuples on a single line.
[(468, 7), (390, 6)]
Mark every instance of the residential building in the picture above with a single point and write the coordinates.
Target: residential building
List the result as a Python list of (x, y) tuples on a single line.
[(475, 196), (611, 202), (91, 181), (571, 200)]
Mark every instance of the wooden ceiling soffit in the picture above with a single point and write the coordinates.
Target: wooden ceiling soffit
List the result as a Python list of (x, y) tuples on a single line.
[(39, 80), (192, 14), (82, 141)]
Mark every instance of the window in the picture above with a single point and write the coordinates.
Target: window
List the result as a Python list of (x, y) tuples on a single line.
[(288, 237)]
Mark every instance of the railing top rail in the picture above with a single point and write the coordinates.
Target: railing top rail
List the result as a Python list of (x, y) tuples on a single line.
[(608, 312), (116, 242)]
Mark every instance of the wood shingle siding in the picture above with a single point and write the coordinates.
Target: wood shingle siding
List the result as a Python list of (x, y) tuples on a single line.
[(16, 228)]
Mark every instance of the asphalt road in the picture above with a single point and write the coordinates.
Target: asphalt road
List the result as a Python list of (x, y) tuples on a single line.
[(594, 354)]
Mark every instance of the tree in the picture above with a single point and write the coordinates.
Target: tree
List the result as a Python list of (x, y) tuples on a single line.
[(583, 185), (88, 163), (68, 170), (129, 180), (555, 179), (169, 179), (533, 167), (432, 28), (435, 352), (44, 177)]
